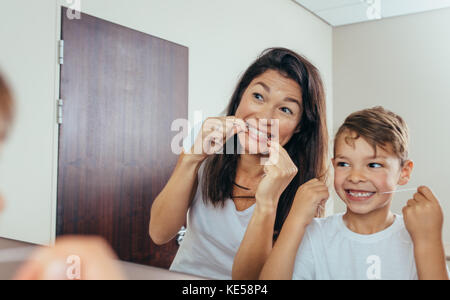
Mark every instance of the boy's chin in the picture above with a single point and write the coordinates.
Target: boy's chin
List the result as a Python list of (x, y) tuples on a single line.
[(357, 210), (366, 208)]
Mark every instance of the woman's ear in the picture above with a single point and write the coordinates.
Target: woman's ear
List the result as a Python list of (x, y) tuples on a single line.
[(406, 172)]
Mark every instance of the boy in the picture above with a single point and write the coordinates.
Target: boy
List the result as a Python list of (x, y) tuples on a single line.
[(368, 241)]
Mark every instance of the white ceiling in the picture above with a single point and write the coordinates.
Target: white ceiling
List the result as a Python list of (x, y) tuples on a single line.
[(343, 12)]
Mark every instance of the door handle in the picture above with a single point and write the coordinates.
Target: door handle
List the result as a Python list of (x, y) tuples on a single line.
[(180, 236)]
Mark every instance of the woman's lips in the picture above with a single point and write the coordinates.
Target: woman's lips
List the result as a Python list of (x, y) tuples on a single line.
[(359, 195), (258, 135)]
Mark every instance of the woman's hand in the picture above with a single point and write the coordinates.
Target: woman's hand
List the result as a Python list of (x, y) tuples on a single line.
[(423, 217), (279, 170), (310, 198), (215, 133)]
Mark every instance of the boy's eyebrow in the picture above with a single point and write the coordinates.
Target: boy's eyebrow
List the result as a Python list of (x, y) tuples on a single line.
[(368, 157)]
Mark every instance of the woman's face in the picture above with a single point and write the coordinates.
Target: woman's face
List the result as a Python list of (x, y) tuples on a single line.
[(271, 106)]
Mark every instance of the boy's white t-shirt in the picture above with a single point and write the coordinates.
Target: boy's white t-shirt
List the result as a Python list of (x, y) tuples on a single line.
[(213, 237), (329, 250)]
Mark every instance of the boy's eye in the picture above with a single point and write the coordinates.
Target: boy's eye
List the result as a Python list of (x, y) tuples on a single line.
[(287, 110), (343, 164), (375, 165), (258, 97)]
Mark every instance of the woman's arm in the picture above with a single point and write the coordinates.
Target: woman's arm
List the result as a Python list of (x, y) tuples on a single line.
[(258, 239), (309, 197), (169, 210), (256, 245), (280, 264)]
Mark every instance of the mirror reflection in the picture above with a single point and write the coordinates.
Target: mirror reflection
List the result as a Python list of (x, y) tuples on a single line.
[(175, 145)]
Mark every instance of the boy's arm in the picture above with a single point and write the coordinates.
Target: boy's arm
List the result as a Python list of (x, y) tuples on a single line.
[(281, 261), (424, 221), (430, 260)]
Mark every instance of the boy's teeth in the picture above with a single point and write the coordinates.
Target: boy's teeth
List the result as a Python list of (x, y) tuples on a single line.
[(360, 194)]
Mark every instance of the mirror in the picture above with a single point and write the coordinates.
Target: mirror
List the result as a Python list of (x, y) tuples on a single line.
[(125, 77)]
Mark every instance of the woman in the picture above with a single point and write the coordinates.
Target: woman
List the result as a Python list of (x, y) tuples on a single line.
[(278, 108)]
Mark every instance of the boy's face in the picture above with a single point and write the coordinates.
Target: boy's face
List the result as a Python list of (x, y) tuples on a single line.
[(360, 178)]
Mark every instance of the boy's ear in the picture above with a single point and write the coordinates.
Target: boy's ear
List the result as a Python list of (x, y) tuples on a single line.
[(406, 172)]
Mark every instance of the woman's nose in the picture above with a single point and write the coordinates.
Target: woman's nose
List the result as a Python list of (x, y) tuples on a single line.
[(265, 115)]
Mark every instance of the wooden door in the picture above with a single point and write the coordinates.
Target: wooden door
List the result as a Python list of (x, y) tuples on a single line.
[(122, 89)]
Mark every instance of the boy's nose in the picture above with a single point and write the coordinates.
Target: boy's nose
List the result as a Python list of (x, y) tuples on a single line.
[(356, 177)]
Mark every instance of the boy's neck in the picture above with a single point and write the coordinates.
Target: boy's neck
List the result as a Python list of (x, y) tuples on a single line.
[(370, 223)]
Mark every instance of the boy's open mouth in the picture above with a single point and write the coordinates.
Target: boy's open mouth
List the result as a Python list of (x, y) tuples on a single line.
[(358, 195)]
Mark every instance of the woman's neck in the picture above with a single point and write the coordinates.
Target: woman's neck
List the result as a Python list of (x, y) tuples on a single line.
[(370, 223), (250, 166)]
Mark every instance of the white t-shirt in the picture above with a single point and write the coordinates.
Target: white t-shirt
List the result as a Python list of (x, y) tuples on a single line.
[(213, 237), (330, 250)]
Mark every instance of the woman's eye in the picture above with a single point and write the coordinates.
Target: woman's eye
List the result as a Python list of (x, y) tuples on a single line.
[(287, 110), (343, 164), (375, 165), (258, 97)]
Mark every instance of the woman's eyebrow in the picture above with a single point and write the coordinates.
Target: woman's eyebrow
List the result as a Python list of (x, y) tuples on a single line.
[(265, 86), (288, 99)]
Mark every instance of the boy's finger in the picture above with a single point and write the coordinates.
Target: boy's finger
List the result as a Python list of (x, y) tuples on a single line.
[(419, 198), (427, 193), (411, 203)]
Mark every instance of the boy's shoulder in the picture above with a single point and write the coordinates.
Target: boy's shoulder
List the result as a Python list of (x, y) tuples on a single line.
[(329, 221), (329, 225)]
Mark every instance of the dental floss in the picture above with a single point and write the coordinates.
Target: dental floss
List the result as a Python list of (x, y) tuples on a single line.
[(400, 191)]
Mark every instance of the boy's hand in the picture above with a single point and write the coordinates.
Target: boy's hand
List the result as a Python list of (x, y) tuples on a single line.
[(309, 198), (423, 217)]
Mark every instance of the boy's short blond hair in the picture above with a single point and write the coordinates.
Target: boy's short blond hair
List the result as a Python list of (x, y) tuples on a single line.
[(6, 109), (380, 128)]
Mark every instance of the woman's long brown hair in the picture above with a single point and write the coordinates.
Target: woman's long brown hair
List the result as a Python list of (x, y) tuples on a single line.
[(307, 148)]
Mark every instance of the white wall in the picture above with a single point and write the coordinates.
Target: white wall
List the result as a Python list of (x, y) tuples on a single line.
[(27, 57), (402, 64), (223, 37)]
